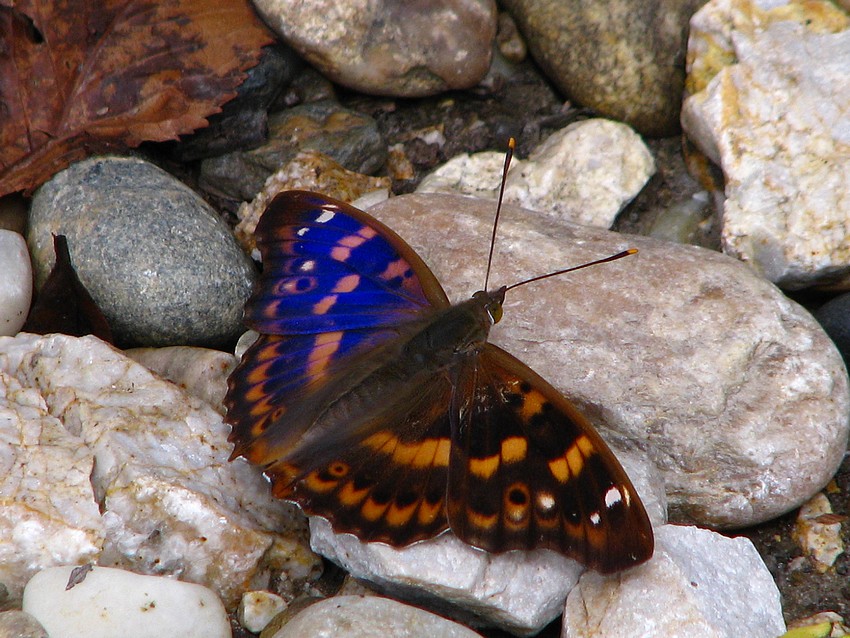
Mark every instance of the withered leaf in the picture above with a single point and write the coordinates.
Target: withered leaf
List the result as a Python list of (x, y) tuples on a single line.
[(85, 76), (63, 303)]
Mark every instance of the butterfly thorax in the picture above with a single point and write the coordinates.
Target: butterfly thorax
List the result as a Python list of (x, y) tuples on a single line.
[(458, 330)]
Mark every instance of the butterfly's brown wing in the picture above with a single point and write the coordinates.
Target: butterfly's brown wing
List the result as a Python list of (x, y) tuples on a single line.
[(527, 470), (385, 479)]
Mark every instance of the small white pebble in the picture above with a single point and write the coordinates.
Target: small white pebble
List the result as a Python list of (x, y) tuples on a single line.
[(15, 282), (257, 608)]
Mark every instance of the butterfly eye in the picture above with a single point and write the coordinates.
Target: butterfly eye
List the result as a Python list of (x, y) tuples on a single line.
[(495, 311)]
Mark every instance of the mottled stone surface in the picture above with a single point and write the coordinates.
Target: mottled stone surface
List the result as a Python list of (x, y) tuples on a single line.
[(770, 105), (158, 261), (390, 47), (699, 583), (365, 617), (349, 138), (733, 390), (624, 59)]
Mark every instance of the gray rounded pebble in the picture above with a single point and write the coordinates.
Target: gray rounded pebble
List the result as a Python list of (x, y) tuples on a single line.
[(162, 266), (366, 616)]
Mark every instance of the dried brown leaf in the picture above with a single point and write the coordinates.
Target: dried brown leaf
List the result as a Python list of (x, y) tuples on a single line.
[(79, 77)]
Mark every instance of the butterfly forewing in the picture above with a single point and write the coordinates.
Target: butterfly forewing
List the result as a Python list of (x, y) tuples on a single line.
[(330, 267), (335, 283), (528, 470)]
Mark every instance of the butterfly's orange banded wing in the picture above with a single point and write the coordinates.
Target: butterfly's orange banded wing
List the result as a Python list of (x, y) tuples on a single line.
[(528, 470), (388, 483)]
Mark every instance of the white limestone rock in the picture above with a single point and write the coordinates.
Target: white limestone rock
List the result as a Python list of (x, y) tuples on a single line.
[(202, 372), (112, 602), (15, 282), (171, 502), (770, 105), (48, 514), (699, 583), (585, 173), (476, 175), (733, 390), (369, 616)]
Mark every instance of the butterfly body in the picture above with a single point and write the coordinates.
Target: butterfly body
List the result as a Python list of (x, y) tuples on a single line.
[(372, 401)]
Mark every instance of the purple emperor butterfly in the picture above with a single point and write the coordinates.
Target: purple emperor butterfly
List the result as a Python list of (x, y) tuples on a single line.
[(370, 400)]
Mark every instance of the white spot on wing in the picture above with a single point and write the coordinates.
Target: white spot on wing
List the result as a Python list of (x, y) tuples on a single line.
[(595, 519), (325, 217), (546, 501), (613, 497)]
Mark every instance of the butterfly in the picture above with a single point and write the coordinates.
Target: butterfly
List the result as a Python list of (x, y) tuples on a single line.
[(370, 400)]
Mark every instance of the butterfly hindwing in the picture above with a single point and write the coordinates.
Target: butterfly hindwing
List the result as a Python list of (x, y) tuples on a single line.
[(384, 481), (528, 470)]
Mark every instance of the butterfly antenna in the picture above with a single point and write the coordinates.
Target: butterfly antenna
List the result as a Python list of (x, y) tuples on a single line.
[(625, 253), (508, 156)]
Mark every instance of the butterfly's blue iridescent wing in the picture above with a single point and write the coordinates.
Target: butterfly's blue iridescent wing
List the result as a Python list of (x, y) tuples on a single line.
[(335, 283), (330, 267), (528, 470)]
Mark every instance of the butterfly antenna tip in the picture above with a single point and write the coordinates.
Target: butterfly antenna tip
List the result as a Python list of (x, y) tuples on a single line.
[(508, 156), (620, 255)]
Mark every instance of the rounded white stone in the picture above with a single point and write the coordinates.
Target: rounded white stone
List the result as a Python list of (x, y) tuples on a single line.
[(112, 602), (584, 173), (15, 282)]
